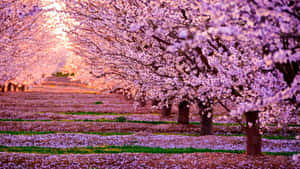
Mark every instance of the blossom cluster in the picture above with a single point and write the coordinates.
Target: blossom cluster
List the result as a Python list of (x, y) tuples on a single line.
[(199, 51)]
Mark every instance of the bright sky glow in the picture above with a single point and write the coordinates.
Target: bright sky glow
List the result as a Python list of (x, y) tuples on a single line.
[(57, 19)]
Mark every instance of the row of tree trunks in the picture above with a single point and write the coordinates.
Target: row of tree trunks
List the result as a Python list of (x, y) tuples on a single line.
[(10, 87), (183, 116), (254, 138)]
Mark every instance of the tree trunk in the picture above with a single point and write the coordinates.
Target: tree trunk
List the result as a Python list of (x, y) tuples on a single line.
[(166, 111), (143, 103), (155, 102), (22, 88), (10, 87), (2, 88), (206, 116), (253, 135), (206, 124), (183, 114)]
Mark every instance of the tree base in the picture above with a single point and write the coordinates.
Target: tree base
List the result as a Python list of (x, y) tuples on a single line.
[(206, 125), (166, 111), (183, 114), (253, 136)]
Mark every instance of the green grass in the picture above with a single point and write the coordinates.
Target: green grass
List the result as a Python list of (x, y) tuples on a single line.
[(279, 137), (53, 132), (123, 149), (294, 125), (98, 102), (120, 119), (61, 74), (225, 124)]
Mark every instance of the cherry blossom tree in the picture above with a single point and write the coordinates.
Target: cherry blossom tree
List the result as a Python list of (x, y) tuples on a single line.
[(14, 19), (203, 52), (147, 74), (29, 46), (19, 24)]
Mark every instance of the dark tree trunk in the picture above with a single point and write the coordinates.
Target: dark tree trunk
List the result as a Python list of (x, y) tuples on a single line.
[(206, 124), (253, 135), (183, 114), (166, 111), (14, 87), (155, 102), (10, 87), (22, 88), (2, 88), (206, 116), (143, 103)]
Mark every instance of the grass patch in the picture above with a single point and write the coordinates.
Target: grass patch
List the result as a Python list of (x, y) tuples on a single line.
[(120, 119), (279, 137), (123, 149), (226, 124), (98, 102), (53, 132), (294, 125), (281, 153), (61, 74)]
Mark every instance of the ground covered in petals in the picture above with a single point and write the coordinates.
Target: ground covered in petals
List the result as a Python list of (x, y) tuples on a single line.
[(32, 124), (142, 160)]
